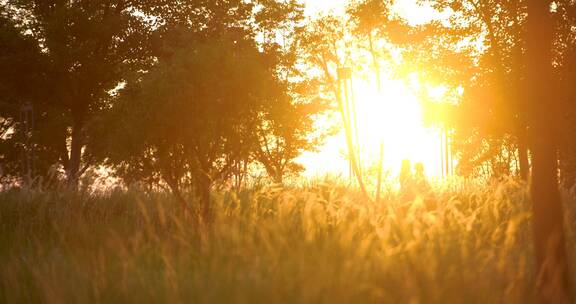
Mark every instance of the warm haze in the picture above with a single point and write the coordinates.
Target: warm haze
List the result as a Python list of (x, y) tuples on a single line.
[(287, 151)]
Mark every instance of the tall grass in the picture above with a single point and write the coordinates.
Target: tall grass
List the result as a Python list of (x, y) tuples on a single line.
[(316, 244)]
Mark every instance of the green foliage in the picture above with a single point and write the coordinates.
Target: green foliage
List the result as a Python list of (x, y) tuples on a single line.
[(70, 55), (23, 80), (565, 59), (488, 41), (72, 59), (195, 111), (477, 54), (210, 106)]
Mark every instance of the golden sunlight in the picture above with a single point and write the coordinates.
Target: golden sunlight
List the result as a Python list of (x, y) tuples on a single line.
[(287, 151), (392, 118)]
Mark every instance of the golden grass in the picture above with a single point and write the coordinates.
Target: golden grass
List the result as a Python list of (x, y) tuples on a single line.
[(318, 244)]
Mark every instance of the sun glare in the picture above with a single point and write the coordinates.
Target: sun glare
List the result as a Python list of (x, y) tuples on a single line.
[(392, 118)]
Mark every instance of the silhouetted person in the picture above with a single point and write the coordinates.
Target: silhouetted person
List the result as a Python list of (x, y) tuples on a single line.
[(406, 180), (420, 180)]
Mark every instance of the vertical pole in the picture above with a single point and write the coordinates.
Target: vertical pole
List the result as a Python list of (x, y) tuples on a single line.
[(442, 154), (447, 151), (355, 120), (28, 161), (380, 164), (344, 73), (379, 90), (344, 83)]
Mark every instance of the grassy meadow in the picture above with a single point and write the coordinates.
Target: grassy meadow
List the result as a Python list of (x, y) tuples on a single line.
[(320, 243)]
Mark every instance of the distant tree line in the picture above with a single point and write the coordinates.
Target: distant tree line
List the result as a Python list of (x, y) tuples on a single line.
[(192, 93), (186, 94), (478, 53), (481, 51)]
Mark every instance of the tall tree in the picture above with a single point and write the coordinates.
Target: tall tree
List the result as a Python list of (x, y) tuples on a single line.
[(21, 80), (372, 21), (287, 125), (213, 102), (326, 46), (565, 71), (549, 240), (287, 129), (87, 46), (192, 117), (494, 91)]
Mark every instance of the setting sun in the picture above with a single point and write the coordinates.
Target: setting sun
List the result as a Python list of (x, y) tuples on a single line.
[(389, 118), (393, 118)]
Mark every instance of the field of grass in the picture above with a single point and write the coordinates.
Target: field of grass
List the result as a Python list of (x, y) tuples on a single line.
[(316, 244)]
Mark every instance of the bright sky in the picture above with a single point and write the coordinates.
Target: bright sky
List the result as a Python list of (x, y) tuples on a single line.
[(408, 9), (393, 117)]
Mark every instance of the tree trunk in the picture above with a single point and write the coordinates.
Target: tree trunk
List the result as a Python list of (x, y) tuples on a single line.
[(523, 163), (552, 269), (567, 145), (73, 166), (178, 195), (447, 151), (278, 178), (203, 185), (568, 163), (380, 164), (174, 184), (349, 132), (336, 86)]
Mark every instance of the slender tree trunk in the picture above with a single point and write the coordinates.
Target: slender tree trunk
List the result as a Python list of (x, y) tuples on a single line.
[(348, 128), (523, 155), (336, 86), (447, 151), (567, 146), (379, 89), (174, 185), (278, 177), (442, 154), (203, 185), (178, 195), (380, 164), (375, 62), (549, 240), (568, 163), (73, 166)]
